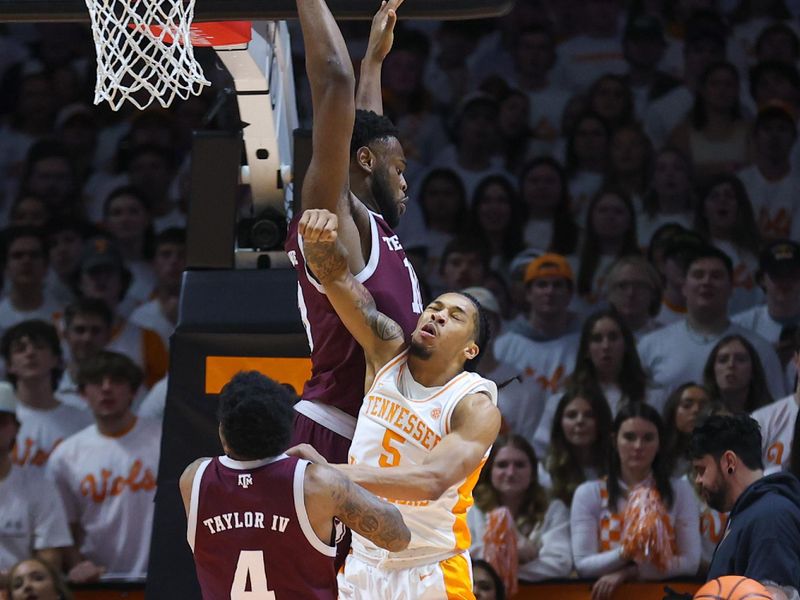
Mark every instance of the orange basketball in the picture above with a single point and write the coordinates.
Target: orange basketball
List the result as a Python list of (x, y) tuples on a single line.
[(733, 587)]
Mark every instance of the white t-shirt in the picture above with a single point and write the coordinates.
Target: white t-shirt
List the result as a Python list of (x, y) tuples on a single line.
[(675, 354), (42, 430), (776, 204), (588, 508), (758, 319), (514, 398), (448, 158), (152, 406), (49, 311), (746, 292), (544, 366), (546, 112), (777, 422), (646, 225), (108, 486), (538, 234), (150, 316), (31, 516), (67, 393), (664, 114), (551, 537)]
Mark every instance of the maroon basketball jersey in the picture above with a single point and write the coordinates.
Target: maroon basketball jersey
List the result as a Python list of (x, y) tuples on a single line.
[(337, 361), (250, 533)]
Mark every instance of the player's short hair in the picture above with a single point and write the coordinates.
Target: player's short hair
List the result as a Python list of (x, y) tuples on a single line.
[(369, 127), (35, 330), (482, 329), (708, 251), (719, 433), (255, 414), (109, 364)]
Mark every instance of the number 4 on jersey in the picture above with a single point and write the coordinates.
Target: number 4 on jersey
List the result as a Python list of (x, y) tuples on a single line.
[(251, 567)]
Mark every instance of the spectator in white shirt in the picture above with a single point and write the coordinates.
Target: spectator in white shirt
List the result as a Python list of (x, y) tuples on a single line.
[(678, 352), (634, 290), (87, 330), (586, 161), (579, 442), (169, 262), (32, 517), (24, 271), (724, 217), (779, 275), (670, 197), (599, 510), (540, 529), (550, 225), (32, 352), (106, 475), (772, 181), (670, 250), (734, 376)]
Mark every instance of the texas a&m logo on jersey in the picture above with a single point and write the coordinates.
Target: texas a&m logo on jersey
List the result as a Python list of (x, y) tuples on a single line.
[(245, 480)]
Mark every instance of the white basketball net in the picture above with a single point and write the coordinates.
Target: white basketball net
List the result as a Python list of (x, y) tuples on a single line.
[(144, 51)]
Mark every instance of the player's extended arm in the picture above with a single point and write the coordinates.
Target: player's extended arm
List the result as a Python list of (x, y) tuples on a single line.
[(381, 37), (329, 494), (379, 336), (475, 424)]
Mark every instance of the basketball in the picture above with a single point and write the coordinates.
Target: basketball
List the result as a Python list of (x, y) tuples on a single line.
[(732, 587)]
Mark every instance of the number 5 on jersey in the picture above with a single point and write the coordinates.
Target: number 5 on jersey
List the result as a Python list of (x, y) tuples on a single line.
[(251, 567), (390, 457)]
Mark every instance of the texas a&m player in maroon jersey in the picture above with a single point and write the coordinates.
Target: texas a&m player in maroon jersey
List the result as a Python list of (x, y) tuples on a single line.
[(356, 172), (262, 524)]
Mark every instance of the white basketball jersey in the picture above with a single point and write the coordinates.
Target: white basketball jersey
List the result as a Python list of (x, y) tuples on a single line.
[(777, 430), (394, 429)]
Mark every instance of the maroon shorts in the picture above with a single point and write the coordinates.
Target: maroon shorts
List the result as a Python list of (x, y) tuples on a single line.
[(331, 445)]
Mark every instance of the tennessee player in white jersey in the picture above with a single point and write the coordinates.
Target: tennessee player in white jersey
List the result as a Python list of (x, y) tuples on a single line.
[(423, 431)]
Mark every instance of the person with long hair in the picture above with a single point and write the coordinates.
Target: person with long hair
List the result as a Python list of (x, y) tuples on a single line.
[(549, 224), (443, 201), (684, 406), (127, 217), (35, 578), (670, 197), (540, 528), (607, 359), (610, 233), (486, 583), (586, 160), (714, 134), (724, 217), (497, 216), (631, 154), (634, 290), (735, 377), (607, 520), (579, 444)]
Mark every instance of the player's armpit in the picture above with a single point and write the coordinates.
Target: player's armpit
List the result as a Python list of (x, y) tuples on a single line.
[(330, 494)]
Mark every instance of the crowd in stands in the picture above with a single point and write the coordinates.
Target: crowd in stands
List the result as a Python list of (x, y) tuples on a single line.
[(618, 183)]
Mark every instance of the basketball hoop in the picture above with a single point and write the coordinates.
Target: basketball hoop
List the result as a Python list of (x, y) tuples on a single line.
[(145, 50)]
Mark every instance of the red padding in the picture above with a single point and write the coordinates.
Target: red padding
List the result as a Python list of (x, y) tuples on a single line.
[(223, 33)]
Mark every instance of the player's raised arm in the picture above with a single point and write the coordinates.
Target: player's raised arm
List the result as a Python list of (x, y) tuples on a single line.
[(379, 336), (330, 74), (329, 492), (381, 37)]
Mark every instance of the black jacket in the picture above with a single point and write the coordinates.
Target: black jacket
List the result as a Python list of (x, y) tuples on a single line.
[(763, 537)]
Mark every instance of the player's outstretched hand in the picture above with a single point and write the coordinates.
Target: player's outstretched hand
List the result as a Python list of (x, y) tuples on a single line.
[(307, 452), (85, 572), (318, 225), (381, 35)]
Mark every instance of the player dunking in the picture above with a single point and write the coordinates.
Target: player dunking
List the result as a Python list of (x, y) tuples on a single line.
[(261, 523), (356, 172), (423, 432)]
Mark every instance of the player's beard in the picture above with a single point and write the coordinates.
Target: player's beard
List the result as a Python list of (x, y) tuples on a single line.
[(384, 198), (417, 350)]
